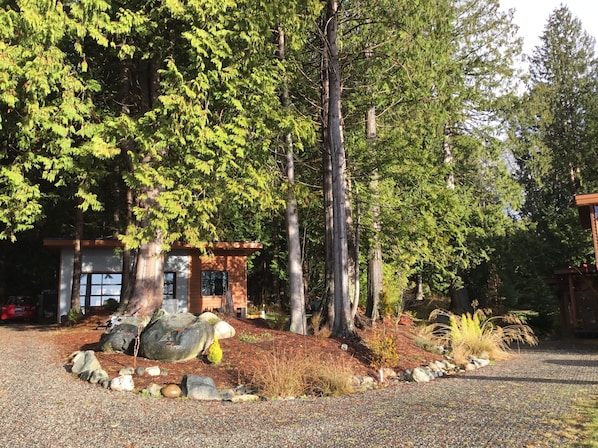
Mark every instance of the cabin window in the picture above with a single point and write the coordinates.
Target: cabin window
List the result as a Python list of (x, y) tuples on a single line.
[(214, 283), (97, 288)]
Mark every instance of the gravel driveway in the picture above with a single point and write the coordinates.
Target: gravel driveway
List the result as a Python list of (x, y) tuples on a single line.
[(517, 403)]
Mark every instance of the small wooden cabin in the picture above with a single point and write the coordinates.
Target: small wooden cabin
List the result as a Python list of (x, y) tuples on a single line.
[(193, 282), (577, 287)]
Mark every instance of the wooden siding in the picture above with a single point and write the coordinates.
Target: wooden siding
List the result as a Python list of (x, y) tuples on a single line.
[(235, 265)]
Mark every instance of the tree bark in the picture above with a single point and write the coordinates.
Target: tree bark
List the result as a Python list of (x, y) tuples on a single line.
[(343, 323), (148, 284), (375, 278), (77, 260), (328, 299), (296, 290), (148, 290)]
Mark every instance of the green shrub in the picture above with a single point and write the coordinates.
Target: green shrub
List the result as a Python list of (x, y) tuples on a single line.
[(74, 316), (215, 352)]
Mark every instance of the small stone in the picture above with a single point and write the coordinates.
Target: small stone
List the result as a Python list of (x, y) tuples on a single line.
[(227, 395), (123, 383), (164, 372), (245, 398), (389, 373), (344, 347), (85, 376), (98, 376), (154, 390), (140, 371), (126, 371), (153, 371), (171, 391), (85, 361), (420, 375)]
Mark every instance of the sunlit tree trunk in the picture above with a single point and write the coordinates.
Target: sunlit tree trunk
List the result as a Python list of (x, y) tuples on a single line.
[(296, 291), (375, 252)]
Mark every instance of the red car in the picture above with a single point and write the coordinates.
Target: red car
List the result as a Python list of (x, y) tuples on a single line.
[(19, 308)]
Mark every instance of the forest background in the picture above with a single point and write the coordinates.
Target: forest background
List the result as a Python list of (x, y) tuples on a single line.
[(383, 151)]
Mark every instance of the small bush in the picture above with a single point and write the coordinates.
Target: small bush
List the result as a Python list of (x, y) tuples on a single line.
[(480, 334), (384, 350), (74, 316), (215, 352)]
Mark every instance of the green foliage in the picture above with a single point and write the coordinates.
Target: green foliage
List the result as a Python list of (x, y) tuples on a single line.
[(74, 316), (554, 145), (215, 352), (480, 334), (252, 339)]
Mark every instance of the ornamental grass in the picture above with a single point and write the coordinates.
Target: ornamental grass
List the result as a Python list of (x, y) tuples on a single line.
[(284, 375), (480, 334)]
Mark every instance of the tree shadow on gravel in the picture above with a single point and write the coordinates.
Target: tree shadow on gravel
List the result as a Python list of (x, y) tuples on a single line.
[(514, 379), (573, 362)]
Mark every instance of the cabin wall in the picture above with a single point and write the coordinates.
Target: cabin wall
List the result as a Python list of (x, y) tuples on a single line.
[(99, 260), (234, 265)]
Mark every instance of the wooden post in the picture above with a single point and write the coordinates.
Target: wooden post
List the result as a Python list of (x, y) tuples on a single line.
[(573, 302), (594, 232)]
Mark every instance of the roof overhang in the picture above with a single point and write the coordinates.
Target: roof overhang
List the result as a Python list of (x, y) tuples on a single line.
[(217, 247)]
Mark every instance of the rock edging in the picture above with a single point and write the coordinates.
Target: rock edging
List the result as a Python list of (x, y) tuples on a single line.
[(87, 368)]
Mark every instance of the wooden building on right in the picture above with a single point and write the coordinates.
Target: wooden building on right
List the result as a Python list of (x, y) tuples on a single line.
[(577, 287)]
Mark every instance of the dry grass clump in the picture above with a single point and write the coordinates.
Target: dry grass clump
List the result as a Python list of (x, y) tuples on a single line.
[(282, 375), (480, 334), (319, 329)]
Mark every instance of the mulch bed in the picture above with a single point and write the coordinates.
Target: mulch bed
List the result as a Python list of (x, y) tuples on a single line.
[(244, 352)]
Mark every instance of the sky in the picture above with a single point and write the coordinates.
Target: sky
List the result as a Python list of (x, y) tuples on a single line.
[(531, 17)]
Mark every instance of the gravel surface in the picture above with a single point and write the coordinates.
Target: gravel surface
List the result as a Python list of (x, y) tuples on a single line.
[(517, 403)]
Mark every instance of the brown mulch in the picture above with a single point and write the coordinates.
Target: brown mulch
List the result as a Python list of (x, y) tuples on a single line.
[(244, 352)]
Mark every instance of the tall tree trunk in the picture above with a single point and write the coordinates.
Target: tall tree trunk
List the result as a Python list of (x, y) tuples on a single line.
[(375, 279), (77, 260), (296, 291), (327, 193), (356, 236), (128, 256), (343, 323), (148, 286)]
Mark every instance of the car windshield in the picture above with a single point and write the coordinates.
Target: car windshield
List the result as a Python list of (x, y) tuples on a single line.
[(19, 300)]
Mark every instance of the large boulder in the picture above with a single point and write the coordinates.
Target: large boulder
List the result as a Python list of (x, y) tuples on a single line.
[(120, 339), (176, 337)]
